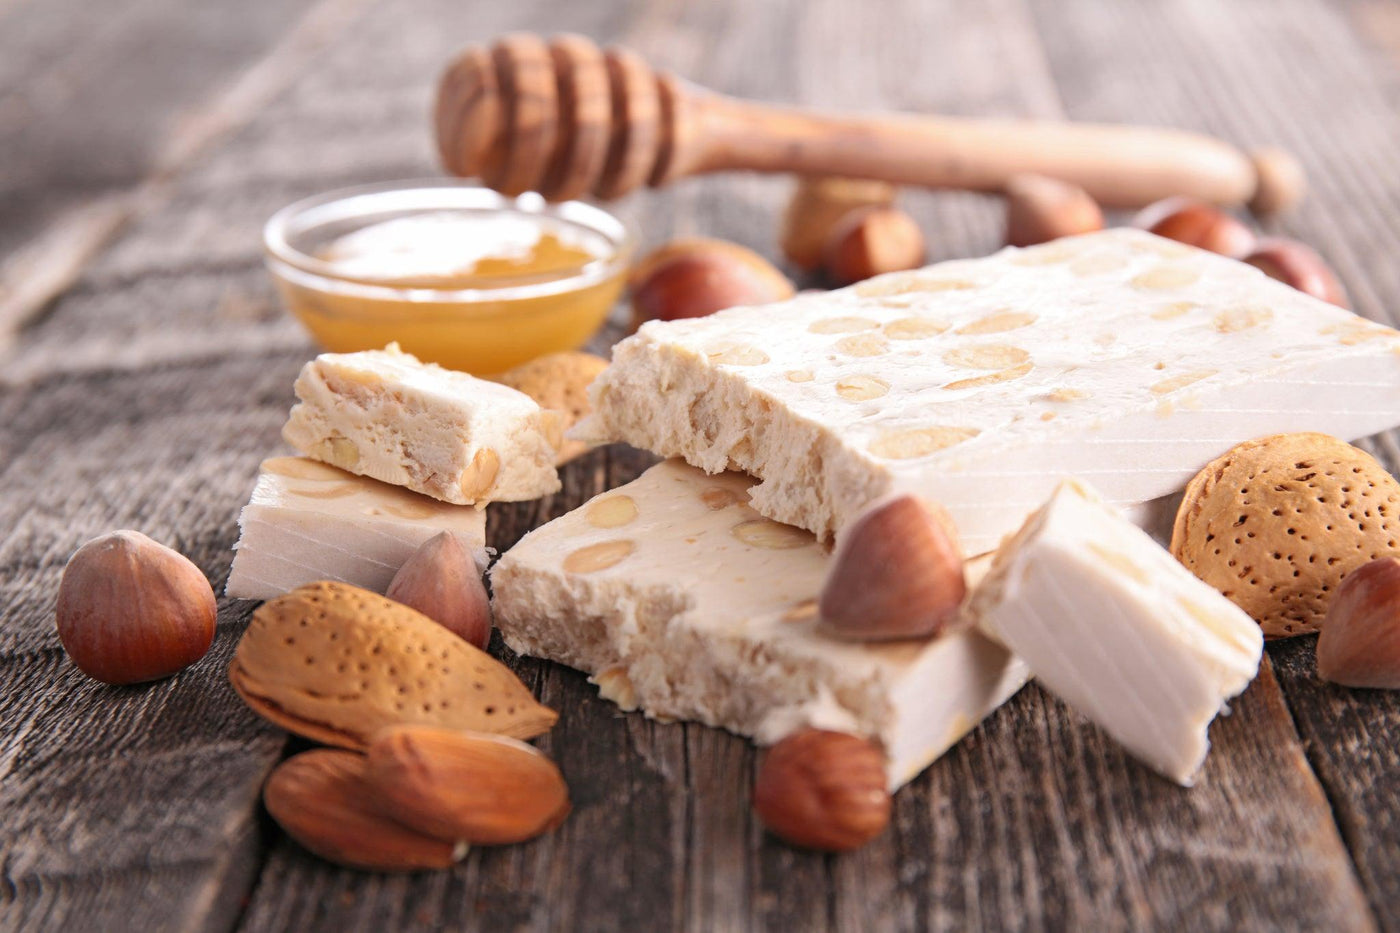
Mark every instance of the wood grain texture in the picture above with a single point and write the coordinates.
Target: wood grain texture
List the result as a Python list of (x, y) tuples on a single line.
[(87, 101), (150, 393), (136, 807)]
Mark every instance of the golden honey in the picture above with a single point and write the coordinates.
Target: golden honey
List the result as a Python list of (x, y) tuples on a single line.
[(479, 287)]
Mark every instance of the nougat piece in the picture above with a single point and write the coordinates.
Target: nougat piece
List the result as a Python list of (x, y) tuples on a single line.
[(682, 601), (1120, 357), (384, 414), (307, 521), (1116, 627)]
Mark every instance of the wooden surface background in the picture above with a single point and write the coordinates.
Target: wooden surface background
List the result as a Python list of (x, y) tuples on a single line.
[(142, 146)]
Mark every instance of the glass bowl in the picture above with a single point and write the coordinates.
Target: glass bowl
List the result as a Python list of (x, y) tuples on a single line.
[(487, 328)]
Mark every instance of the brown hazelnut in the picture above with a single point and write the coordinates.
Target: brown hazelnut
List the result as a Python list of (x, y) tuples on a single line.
[(697, 277), (1300, 266), (871, 241), (823, 790), (441, 580), (897, 573), (131, 610), (1359, 645), (1041, 209), (1198, 224), (819, 203)]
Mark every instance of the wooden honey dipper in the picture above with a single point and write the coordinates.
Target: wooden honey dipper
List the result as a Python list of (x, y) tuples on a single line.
[(566, 119)]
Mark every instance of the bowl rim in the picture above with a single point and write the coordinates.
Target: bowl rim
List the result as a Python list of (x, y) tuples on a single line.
[(438, 194)]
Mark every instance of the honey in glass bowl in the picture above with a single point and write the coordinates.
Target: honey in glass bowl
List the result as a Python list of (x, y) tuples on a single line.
[(456, 274)]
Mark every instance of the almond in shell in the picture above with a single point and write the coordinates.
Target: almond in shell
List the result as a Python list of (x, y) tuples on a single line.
[(336, 664), (559, 382), (1277, 523), (320, 798)]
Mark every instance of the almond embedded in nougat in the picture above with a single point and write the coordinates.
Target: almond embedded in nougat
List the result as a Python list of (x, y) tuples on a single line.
[(897, 574)]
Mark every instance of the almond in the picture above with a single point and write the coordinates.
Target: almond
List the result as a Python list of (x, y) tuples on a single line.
[(321, 800), (823, 790), (441, 580), (486, 789), (1276, 524), (130, 609), (336, 664), (897, 574), (559, 382), (1360, 641)]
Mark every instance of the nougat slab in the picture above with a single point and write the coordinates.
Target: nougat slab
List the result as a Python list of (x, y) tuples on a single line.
[(384, 414), (1118, 356), (1111, 623), (682, 601), (307, 521)]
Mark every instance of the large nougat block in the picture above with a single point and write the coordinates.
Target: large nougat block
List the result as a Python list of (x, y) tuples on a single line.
[(1114, 625), (307, 521), (1119, 357), (384, 414), (682, 601)]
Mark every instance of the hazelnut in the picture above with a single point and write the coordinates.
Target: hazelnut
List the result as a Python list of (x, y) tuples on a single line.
[(1040, 209), (1298, 265), (897, 573), (819, 203), (1359, 645), (441, 580), (131, 610), (823, 790), (1198, 224), (697, 277), (871, 241)]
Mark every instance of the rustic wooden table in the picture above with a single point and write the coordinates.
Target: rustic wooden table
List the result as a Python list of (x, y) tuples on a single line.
[(140, 151)]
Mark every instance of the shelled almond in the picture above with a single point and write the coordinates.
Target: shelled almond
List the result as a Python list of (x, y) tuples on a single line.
[(321, 799)]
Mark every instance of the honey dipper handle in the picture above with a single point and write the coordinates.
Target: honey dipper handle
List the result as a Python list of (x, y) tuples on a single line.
[(1120, 166)]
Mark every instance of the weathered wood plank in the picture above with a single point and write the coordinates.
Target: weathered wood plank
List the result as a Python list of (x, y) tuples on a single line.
[(133, 807), (1035, 822), (1353, 743), (87, 101), (69, 223)]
